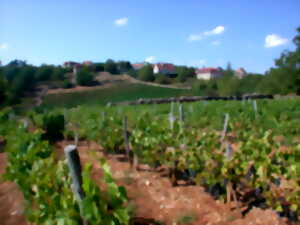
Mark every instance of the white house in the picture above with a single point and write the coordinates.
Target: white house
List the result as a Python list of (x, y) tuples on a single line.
[(164, 68), (208, 73)]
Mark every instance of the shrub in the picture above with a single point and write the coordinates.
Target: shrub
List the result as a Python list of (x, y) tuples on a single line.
[(53, 125), (162, 79), (67, 84), (84, 77), (133, 73), (146, 73), (111, 67)]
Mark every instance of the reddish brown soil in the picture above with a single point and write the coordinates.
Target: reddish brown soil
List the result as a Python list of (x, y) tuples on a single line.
[(151, 196)]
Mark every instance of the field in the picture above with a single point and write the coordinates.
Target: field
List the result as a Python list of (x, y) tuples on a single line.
[(233, 162), (116, 93)]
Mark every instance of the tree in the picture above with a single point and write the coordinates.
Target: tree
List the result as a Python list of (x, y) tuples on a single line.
[(98, 67), (84, 77), (146, 73), (228, 72), (10, 73), (67, 84), (250, 83), (28, 76), (3, 87), (111, 67), (58, 73), (162, 79), (133, 73), (124, 66), (183, 73), (44, 72), (17, 63), (285, 77)]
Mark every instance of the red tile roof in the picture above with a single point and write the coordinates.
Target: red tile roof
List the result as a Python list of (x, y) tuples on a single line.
[(87, 63), (71, 63), (138, 65), (165, 66), (208, 70)]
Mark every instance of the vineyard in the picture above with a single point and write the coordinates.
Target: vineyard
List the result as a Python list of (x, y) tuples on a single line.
[(247, 152)]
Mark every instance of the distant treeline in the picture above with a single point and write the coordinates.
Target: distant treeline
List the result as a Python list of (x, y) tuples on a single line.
[(17, 78)]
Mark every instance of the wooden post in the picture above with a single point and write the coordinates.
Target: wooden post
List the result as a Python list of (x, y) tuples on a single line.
[(103, 115), (191, 109), (25, 123), (74, 165), (11, 116), (181, 113), (171, 120), (225, 126), (126, 139), (255, 107), (228, 152), (172, 108), (76, 138)]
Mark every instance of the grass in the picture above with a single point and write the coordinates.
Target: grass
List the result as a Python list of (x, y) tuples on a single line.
[(118, 93)]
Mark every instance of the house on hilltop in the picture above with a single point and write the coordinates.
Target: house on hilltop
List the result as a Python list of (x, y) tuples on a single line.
[(164, 68), (240, 73), (87, 63), (138, 66), (209, 73), (73, 65), (70, 64)]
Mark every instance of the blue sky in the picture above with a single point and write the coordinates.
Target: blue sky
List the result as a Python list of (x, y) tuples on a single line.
[(249, 34)]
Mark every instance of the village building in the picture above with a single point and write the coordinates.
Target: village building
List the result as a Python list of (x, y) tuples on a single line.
[(138, 66), (70, 64), (87, 63), (240, 73), (164, 68), (208, 73)]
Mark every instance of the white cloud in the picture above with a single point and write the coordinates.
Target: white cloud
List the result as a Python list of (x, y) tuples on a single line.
[(3, 46), (121, 22), (274, 40), (150, 59), (216, 43), (216, 31)]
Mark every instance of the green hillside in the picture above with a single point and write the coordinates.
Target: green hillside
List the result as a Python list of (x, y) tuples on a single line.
[(118, 93)]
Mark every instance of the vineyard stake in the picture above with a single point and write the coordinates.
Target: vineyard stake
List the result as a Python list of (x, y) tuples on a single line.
[(228, 152), (191, 109), (255, 107), (25, 123), (181, 113), (171, 116), (225, 126), (103, 115), (74, 165), (76, 138), (172, 109)]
